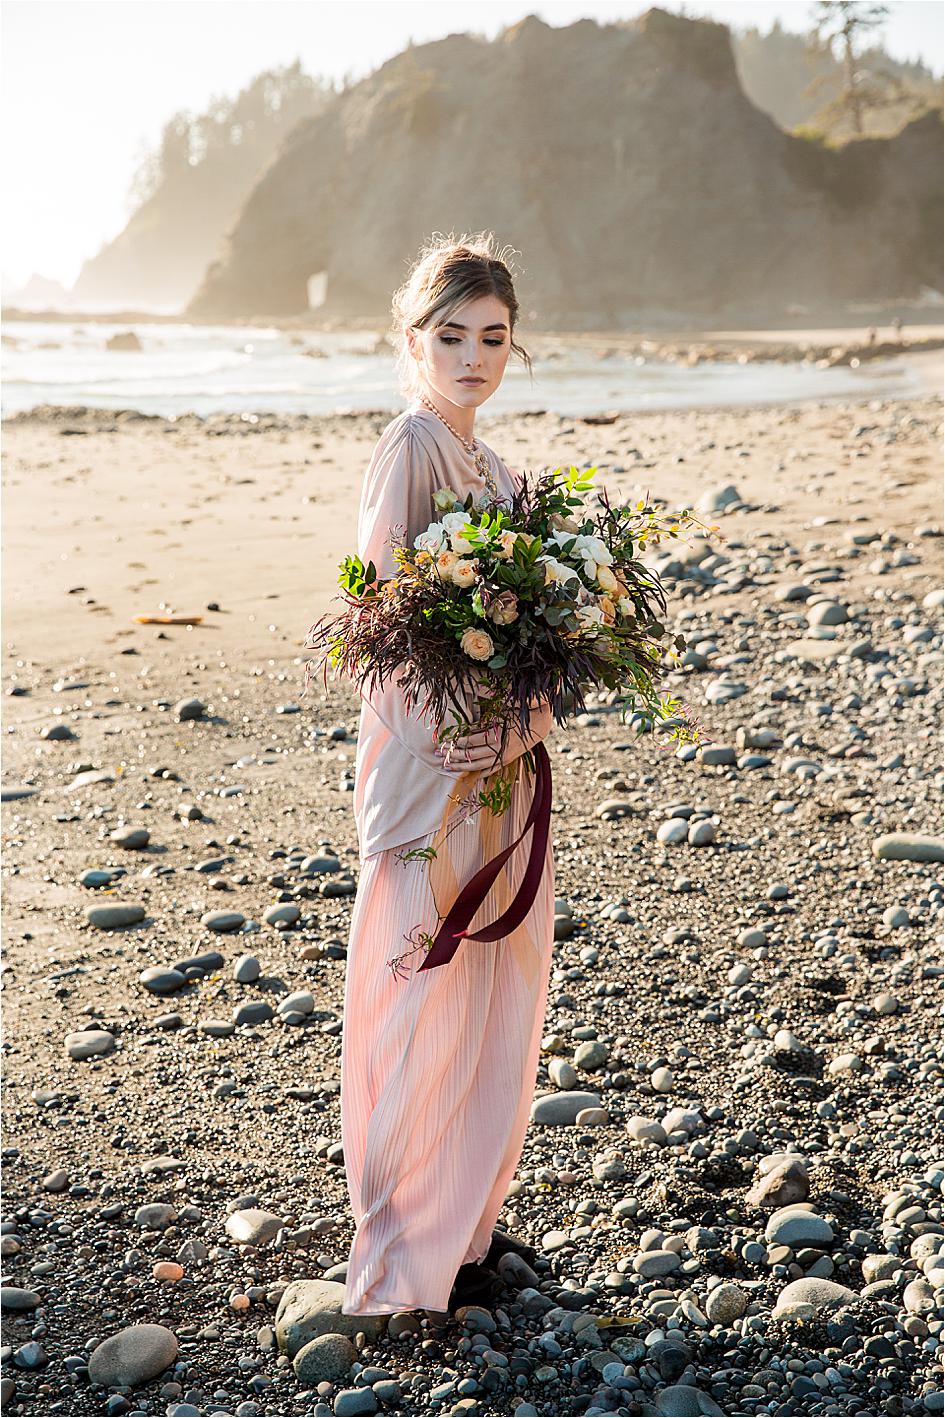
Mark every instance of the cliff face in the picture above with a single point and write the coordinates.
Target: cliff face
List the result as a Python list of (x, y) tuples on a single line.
[(196, 184), (623, 161)]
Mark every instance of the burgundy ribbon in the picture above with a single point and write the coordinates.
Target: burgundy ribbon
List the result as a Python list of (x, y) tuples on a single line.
[(467, 903)]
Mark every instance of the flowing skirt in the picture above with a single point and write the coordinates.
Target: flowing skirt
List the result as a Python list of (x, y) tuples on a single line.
[(438, 1069)]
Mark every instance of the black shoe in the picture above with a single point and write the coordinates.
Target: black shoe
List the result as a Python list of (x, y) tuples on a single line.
[(502, 1243), (475, 1284)]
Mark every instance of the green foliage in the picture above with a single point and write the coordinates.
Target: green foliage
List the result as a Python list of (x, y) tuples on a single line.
[(357, 579)]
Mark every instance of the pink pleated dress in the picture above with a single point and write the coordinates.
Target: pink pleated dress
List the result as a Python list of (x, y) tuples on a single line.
[(437, 1066)]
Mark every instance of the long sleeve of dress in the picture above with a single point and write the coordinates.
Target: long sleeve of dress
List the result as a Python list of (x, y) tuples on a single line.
[(401, 785), (398, 493)]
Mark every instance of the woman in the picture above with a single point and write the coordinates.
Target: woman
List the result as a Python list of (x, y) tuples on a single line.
[(438, 1067)]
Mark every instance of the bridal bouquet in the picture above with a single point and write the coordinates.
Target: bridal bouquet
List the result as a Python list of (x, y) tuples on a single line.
[(499, 606), (532, 598)]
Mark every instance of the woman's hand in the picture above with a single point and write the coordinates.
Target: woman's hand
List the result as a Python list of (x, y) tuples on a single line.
[(478, 751)]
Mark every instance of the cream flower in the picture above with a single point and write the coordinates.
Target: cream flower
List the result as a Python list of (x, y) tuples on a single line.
[(625, 605), (477, 644), (444, 499), (556, 570), (464, 572), (606, 579), (444, 562), (506, 542), (590, 615)]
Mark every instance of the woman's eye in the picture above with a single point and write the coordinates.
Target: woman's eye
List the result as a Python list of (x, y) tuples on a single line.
[(453, 340)]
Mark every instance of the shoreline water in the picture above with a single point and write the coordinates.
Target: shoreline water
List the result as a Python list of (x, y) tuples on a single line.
[(175, 370)]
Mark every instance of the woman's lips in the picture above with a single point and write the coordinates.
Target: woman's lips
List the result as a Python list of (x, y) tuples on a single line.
[(472, 381)]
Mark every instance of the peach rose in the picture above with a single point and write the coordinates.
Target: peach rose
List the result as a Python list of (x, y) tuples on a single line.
[(444, 562), (609, 609), (464, 572), (477, 644)]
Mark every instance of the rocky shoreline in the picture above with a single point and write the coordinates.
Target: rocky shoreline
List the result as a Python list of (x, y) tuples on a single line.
[(733, 1174)]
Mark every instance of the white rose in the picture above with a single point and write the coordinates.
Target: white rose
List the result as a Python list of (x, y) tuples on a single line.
[(561, 539), (625, 605), (593, 549), (556, 570), (454, 520), (431, 540)]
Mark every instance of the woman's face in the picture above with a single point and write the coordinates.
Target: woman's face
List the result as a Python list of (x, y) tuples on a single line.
[(474, 343)]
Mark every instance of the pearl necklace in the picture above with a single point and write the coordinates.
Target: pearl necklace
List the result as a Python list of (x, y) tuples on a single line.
[(472, 446)]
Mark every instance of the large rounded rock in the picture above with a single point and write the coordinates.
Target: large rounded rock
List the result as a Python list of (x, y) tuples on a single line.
[(254, 1011), (252, 1226), (796, 1227), (112, 917), (780, 1185), (810, 1296), (646, 1129), (310, 1308), (159, 980), (908, 847), (131, 838), (726, 1303), (685, 1401), (186, 709), (827, 613), (222, 921), (88, 1043), (919, 1297), (133, 1356), (652, 1263), (155, 1215), (325, 1359), (355, 1403), (13, 1300), (246, 970), (591, 1054), (561, 1109), (286, 914)]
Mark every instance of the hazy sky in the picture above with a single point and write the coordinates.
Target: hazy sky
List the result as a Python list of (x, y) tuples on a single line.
[(88, 84)]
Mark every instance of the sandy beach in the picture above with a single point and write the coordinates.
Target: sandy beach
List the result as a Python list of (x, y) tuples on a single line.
[(763, 982)]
